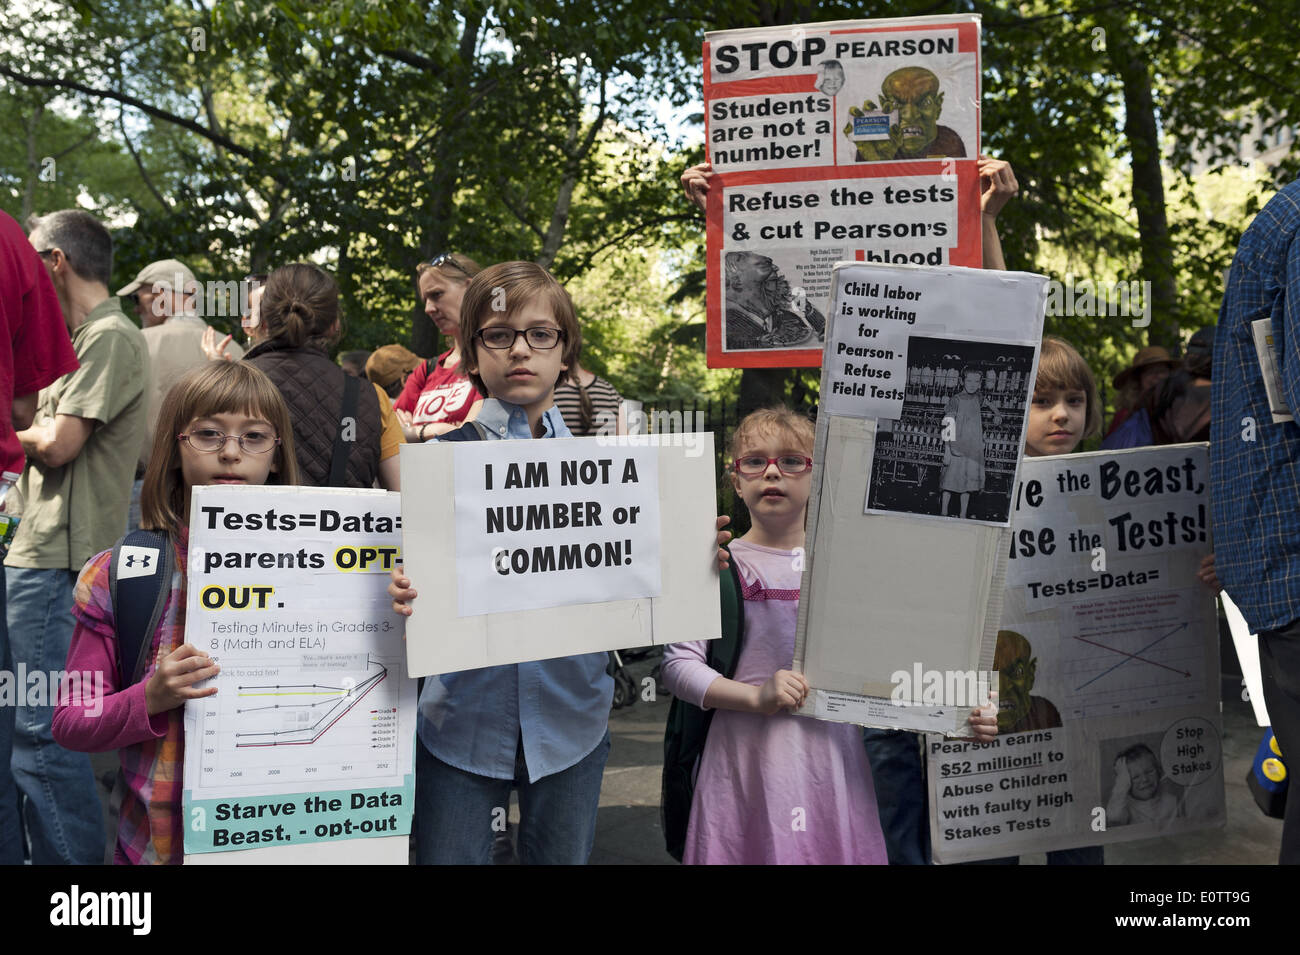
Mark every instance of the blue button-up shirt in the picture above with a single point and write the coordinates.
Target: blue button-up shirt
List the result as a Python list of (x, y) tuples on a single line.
[(1254, 463), (475, 719)]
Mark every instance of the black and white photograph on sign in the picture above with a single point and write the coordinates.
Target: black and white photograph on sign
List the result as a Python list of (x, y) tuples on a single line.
[(764, 309), (1155, 779), (954, 451)]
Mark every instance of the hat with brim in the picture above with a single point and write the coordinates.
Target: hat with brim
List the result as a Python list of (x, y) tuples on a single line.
[(172, 273), (1145, 358), (389, 363)]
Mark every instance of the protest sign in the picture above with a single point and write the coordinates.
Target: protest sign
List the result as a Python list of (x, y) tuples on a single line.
[(1109, 725), (552, 512), (540, 549), (832, 141), (902, 576), (944, 360), (310, 736)]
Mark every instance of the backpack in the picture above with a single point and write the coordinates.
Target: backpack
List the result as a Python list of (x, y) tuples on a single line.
[(139, 580), (469, 431), (688, 725)]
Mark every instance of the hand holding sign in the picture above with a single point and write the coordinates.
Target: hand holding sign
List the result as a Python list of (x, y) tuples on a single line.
[(172, 682)]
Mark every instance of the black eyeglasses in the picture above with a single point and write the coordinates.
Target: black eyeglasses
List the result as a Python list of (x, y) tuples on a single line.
[(501, 337), (210, 440), (438, 261)]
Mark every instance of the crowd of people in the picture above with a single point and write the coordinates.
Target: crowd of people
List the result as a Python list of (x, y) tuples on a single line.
[(104, 411)]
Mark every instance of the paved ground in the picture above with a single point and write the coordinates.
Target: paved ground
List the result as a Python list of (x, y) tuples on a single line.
[(628, 833)]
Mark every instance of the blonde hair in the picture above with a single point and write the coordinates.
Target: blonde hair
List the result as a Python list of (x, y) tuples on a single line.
[(1060, 366), (519, 284), (463, 268), (218, 387), (778, 418)]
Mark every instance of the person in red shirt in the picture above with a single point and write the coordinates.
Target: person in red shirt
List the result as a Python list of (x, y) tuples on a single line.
[(438, 396), (32, 329)]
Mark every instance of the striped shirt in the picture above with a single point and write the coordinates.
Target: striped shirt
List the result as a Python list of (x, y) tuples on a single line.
[(605, 401), (1254, 463), (151, 748)]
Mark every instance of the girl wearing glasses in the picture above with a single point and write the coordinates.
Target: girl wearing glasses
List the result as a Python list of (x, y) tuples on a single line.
[(438, 396), (774, 788), (222, 423)]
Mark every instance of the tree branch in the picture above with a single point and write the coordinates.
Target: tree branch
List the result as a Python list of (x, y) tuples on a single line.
[(628, 233), (130, 147), (155, 112)]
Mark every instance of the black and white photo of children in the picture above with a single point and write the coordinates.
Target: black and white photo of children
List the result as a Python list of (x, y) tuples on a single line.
[(953, 453)]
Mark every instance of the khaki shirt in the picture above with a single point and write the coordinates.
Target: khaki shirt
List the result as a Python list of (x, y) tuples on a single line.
[(74, 512), (175, 347)]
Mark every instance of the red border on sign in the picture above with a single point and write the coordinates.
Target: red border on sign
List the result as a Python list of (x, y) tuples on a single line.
[(968, 252)]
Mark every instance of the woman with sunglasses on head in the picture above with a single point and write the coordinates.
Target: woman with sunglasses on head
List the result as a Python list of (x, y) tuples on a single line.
[(438, 396)]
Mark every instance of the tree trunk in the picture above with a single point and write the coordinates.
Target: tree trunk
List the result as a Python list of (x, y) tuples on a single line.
[(439, 211), (1143, 137), (33, 163), (762, 388)]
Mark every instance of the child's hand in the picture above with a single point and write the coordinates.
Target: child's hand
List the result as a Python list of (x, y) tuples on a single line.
[(172, 682), (1122, 778), (401, 592), (984, 721), (786, 690), (723, 538), (1207, 576)]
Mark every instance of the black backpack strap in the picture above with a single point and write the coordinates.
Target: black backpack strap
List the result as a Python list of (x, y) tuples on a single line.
[(139, 581), (469, 431), (724, 653), (688, 725), (339, 457)]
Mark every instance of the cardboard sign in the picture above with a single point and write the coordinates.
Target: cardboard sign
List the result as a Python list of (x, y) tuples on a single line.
[(1109, 724), (537, 549), (832, 141), (925, 390)]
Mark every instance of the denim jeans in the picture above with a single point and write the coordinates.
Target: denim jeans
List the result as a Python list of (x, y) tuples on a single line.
[(1279, 664), (62, 811), (899, 780), (459, 813), (11, 832)]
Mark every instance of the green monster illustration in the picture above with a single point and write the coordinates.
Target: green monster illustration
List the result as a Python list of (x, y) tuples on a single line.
[(914, 93), (1018, 710)]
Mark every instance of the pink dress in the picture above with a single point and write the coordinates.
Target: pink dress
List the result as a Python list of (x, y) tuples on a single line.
[(780, 789)]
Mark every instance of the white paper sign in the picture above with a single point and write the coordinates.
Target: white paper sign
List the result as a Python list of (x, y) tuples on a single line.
[(1109, 726), (544, 524), (311, 732), (880, 311), (489, 593)]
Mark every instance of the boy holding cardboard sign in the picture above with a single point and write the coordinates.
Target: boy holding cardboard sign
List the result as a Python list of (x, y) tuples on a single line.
[(543, 725)]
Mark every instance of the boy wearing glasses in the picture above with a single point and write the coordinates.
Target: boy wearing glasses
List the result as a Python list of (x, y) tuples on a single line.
[(542, 726)]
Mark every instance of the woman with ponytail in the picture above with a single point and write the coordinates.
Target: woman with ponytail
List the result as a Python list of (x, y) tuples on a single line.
[(337, 425)]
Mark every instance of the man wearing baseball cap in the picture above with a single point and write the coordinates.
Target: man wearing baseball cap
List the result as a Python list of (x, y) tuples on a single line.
[(162, 289), (167, 299), (1151, 365)]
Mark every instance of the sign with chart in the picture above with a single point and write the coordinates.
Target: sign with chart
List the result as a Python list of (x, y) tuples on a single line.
[(309, 738), (1108, 726)]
